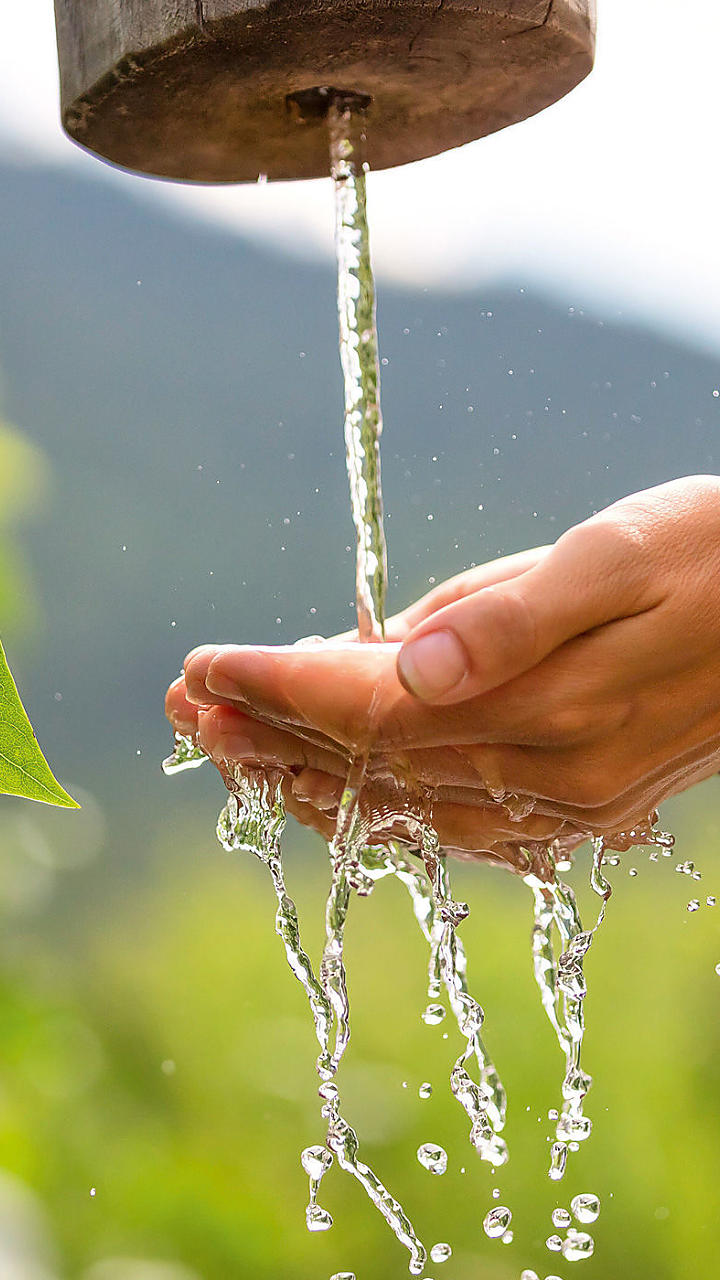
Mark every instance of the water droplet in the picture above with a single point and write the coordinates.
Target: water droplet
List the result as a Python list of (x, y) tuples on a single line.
[(343, 1275), (574, 1128), (561, 1218), (558, 1160), (554, 1244), (507, 1238), (441, 1252), (632, 871), (496, 1193), (432, 1157), (529, 1275), (496, 1222), (717, 968), (316, 1161), (92, 1191), (578, 1245), (425, 1090), (433, 1015), (586, 1207), (317, 1219), (693, 905), (711, 900)]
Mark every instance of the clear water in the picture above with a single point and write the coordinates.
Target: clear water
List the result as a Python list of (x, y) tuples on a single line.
[(254, 817), (360, 364)]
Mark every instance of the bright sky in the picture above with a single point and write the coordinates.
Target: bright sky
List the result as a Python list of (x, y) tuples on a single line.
[(609, 198)]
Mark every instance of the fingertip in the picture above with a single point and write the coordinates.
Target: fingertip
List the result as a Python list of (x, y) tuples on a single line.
[(434, 666), (320, 789), (181, 713), (204, 652)]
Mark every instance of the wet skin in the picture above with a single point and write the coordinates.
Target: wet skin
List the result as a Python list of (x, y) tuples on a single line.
[(584, 676)]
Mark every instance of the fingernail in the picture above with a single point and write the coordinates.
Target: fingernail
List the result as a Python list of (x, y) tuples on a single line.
[(433, 664), (221, 684)]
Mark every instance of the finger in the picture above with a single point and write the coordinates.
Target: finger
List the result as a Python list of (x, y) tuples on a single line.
[(594, 574), (307, 814), (181, 713), (334, 689), (320, 789), (350, 696), (385, 806), (459, 587), (196, 663), (460, 829), (228, 734)]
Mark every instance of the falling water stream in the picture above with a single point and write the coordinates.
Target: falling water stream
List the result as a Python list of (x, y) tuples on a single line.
[(254, 817)]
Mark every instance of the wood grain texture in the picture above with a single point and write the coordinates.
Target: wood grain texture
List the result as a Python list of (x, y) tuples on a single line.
[(198, 91), (95, 35)]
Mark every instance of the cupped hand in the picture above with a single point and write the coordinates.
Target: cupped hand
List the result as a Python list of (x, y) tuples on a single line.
[(584, 677), (312, 739)]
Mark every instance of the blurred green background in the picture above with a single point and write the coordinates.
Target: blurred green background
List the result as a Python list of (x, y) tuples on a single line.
[(175, 474)]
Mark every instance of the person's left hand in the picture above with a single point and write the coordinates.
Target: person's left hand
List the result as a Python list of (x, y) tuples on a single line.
[(327, 702)]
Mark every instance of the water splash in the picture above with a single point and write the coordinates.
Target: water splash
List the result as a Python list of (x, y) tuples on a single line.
[(563, 988), (253, 820), (577, 1245), (484, 1101), (585, 1207), (496, 1222), (441, 1252), (187, 754), (433, 1158)]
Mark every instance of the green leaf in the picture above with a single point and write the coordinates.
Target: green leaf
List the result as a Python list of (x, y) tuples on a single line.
[(24, 771)]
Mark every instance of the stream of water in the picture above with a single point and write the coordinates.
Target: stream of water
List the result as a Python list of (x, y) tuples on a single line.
[(254, 817)]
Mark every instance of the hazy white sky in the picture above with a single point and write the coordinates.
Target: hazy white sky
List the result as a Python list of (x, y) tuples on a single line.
[(609, 197)]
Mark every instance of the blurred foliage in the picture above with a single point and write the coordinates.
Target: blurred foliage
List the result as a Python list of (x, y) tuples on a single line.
[(158, 1081), (23, 485), (23, 492)]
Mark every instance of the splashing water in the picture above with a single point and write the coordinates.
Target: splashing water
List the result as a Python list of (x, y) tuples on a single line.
[(253, 820), (497, 1221), (440, 1252), (484, 1101), (433, 1158), (585, 1207), (186, 755)]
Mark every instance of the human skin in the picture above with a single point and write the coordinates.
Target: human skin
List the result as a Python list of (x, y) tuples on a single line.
[(584, 676)]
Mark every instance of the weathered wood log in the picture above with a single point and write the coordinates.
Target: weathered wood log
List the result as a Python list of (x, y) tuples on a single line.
[(198, 90)]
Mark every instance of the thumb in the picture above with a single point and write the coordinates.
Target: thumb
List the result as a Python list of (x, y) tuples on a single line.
[(591, 576)]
